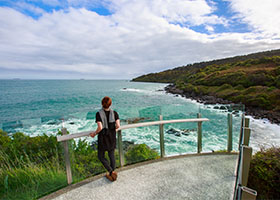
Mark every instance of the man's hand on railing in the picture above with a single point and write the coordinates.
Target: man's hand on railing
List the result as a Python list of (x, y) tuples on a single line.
[(92, 134)]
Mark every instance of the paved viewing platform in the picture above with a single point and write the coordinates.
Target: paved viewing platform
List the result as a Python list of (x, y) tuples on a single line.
[(209, 176)]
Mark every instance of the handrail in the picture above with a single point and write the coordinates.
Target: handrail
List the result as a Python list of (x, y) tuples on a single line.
[(136, 125), (65, 137), (241, 192)]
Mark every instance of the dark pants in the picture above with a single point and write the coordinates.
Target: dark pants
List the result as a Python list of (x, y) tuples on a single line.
[(104, 161)]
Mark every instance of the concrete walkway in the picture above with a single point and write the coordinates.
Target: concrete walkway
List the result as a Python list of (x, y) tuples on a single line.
[(190, 177)]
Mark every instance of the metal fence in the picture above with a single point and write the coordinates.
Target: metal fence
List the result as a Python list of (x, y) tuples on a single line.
[(65, 137), (241, 192)]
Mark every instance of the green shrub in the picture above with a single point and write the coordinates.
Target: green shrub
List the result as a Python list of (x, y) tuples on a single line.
[(277, 81), (205, 90), (277, 71), (188, 88), (277, 108), (140, 152), (224, 87), (261, 100), (253, 89), (239, 87), (238, 98), (264, 173), (180, 84), (270, 89), (232, 78), (264, 60), (228, 94)]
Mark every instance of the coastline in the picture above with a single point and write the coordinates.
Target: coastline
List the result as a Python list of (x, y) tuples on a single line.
[(272, 117)]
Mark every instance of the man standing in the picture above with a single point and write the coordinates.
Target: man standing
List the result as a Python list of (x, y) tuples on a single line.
[(107, 122)]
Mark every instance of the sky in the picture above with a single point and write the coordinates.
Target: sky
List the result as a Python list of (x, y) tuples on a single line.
[(122, 39)]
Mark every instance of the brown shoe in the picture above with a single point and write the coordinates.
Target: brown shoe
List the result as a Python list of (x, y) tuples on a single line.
[(109, 177), (114, 175)]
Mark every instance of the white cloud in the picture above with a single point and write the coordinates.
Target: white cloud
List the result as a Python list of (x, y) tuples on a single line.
[(138, 38), (181, 11), (261, 15), (28, 7), (209, 29)]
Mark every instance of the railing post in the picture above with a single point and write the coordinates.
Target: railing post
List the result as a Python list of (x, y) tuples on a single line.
[(199, 134), (120, 146), (161, 138), (229, 145), (246, 136), (241, 130), (67, 158), (245, 163), (247, 122), (241, 192)]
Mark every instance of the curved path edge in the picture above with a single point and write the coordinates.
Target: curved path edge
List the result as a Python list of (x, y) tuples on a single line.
[(190, 176)]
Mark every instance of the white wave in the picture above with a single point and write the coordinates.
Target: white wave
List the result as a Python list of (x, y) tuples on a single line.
[(263, 133), (132, 90), (73, 125), (151, 91)]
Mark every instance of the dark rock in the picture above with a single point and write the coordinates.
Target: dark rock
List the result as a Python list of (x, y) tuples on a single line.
[(235, 112), (178, 132), (127, 144), (173, 90), (272, 116), (52, 123), (171, 131)]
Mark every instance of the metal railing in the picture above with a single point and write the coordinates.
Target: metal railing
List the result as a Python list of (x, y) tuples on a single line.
[(65, 137), (241, 192)]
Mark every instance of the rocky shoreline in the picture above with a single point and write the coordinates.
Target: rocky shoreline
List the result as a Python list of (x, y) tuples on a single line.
[(273, 117)]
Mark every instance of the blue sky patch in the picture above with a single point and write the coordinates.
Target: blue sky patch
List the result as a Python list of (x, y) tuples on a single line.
[(32, 8)]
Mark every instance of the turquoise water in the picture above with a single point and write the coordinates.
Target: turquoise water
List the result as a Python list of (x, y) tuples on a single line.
[(44, 106)]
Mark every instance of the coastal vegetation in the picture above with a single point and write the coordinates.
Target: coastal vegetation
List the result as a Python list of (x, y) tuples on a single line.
[(253, 80), (264, 173), (31, 167)]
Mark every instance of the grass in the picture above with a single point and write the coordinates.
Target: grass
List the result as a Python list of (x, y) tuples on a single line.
[(32, 167), (30, 181)]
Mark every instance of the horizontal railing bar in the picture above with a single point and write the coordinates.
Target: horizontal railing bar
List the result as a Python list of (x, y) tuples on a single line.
[(136, 125)]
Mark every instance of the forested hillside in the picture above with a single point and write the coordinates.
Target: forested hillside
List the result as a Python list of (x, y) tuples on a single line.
[(253, 80)]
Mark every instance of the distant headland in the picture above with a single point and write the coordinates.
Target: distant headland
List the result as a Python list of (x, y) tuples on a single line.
[(253, 80)]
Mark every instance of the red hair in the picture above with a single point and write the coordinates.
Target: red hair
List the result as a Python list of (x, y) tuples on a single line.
[(106, 102)]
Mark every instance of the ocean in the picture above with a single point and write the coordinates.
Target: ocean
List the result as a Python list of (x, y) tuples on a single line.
[(36, 107)]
